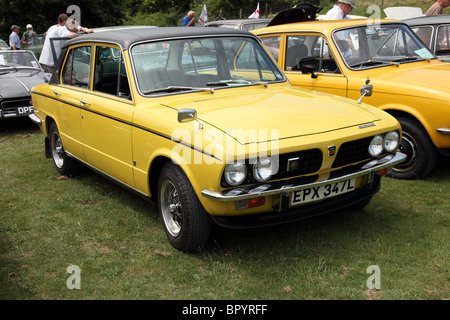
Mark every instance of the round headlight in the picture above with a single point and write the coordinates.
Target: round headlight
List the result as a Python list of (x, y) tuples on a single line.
[(263, 169), (391, 141), (235, 173), (376, 146)]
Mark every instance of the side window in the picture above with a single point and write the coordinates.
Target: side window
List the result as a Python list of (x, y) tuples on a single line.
[(110, 72), (443, 40), (312, 52), (273, 46), (77, 67), (424, 33)]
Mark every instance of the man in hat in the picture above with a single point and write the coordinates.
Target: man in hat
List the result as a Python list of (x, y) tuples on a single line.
[(341, 10), (27, 37), (14, 39)]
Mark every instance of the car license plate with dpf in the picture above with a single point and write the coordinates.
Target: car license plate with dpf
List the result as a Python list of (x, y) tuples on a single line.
[(321, 192), (24, 110)]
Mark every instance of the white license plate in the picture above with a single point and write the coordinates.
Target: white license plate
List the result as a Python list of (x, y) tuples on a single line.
[(322, 192), (24, 110)]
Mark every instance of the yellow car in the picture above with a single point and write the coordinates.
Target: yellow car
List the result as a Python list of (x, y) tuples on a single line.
[(203, 122), (409, 82)]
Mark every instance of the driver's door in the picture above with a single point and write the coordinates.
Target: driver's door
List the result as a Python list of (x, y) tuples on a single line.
[(309, 62)]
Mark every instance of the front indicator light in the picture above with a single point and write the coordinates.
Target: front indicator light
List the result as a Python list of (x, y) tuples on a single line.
[(376, 146), (250, 203)]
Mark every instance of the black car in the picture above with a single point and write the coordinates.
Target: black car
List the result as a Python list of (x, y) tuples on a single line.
[(19, 72), (434, 31)]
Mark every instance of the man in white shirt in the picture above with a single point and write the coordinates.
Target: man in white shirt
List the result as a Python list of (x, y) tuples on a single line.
[(341, 10), (66, 28)]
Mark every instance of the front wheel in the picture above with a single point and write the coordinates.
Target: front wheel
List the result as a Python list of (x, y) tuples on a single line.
[(185, 221), (65, 165), (421, 155)]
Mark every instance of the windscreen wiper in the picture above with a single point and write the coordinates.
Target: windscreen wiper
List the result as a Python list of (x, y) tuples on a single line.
[(7, 69), (374, 62), (177, 88), (227, 82), (406, 58)]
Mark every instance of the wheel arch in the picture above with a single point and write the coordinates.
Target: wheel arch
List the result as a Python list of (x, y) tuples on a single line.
[(153, 175), (397, 113)]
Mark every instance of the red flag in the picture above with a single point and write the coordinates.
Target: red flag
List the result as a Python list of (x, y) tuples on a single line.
[(255, 15)]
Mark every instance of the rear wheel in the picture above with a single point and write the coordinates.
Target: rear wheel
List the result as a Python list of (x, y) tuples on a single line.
[(421, 155), (185, 221), (65, 165)]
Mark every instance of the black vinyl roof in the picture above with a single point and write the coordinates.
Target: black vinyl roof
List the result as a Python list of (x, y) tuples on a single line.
[(440, 19), (127, 36)]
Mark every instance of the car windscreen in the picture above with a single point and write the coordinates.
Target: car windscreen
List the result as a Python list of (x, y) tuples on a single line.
[(365, 47), (198, 63), (18, 59)]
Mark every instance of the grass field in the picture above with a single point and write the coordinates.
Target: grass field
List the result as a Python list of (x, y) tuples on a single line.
[(48, 223)]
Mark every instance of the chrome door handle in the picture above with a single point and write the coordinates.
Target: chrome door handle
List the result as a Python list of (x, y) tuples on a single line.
[(57, 93), (85, 103)]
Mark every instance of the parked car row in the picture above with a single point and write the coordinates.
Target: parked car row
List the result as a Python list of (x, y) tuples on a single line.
[(409, 82), (240, 129)]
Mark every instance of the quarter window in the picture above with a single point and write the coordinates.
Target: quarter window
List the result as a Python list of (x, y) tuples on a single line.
[(110, 72), (77, 66)]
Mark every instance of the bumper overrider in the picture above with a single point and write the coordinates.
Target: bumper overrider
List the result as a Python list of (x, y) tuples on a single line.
[(283, 211)]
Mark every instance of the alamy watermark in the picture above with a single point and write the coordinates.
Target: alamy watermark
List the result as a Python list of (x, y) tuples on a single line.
[(374, 281), (218, 147), (74, 280)]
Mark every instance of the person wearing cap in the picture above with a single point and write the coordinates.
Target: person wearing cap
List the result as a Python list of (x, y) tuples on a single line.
[(14, 39), (341, 10), (27, 37), (66, 28)]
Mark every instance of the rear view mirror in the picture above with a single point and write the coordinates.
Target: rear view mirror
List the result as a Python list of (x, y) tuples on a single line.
[(366, 91)]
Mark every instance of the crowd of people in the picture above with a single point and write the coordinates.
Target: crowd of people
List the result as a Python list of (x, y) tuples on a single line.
[(69, 28)]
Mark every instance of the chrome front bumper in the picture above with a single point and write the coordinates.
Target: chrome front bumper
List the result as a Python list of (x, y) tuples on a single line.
[(379, 164)]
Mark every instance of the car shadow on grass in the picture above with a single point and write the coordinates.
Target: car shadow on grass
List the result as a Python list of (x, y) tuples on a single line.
[(17, 125)]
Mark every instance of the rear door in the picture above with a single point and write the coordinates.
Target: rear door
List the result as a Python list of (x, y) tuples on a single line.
[(106, 115), (68, 95)]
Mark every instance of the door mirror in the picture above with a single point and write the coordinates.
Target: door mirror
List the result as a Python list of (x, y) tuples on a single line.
[(187, 115), (366, 90)]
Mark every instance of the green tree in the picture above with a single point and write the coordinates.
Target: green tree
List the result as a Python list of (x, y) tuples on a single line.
[(43, 13)]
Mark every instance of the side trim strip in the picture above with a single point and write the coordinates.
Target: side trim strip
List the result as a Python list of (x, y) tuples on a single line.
[(130, 124)]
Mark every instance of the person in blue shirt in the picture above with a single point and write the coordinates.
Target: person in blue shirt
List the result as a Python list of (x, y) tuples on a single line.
[(189, 20), (14, 39)]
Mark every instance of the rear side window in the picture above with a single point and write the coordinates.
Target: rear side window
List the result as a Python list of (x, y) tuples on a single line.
[(110, 74), (77, 67), (443, 40)]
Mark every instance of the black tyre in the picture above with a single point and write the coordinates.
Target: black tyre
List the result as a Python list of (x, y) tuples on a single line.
[(185, 221), (419, 149), (65, 165)]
